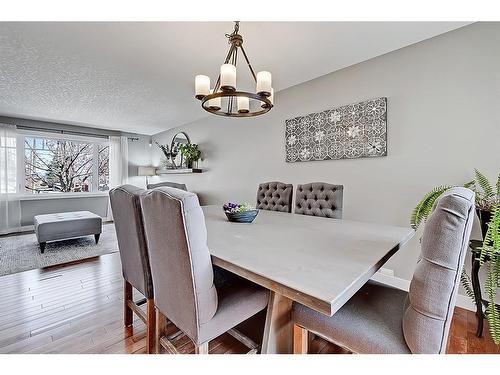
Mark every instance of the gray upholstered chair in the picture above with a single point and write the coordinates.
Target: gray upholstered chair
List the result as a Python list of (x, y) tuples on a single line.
[(182, 271), (275, 196), (168, 184), (319, 199), (380, 319), (134, 256)]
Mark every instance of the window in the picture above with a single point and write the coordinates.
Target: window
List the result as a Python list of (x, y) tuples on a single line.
[(53, 165), (8, 179), (103, 167)]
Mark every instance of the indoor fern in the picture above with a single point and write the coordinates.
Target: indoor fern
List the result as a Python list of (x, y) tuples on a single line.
[(484, 183), (424, 207), (487, 199), (491, 247), (466, 282)]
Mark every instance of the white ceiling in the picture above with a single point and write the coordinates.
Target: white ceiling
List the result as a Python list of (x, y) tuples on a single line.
[(138, 77)]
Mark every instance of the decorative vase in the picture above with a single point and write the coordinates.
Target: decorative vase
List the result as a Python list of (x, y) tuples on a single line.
[(484, 218), (189, 163)]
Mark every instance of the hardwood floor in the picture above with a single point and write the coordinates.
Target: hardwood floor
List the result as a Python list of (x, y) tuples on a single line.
[(77, 308)]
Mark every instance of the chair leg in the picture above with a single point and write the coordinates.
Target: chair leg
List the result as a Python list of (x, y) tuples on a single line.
[(300, 340), (150, 326), (161, 324), (128, 317), (201, 349), (96, 237)]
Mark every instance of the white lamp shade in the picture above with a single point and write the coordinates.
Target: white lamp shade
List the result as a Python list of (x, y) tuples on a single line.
[(214, 103), (243, 104), (202, 86), (264, 83), (227, 77), (146, 171)]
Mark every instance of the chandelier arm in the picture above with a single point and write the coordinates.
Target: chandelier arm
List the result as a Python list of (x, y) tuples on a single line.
[(229, 53), (235, 55), (248, 63), (231, 98), (229, 105)]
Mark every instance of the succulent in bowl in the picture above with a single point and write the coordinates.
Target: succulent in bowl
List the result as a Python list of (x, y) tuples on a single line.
[(235, 207)]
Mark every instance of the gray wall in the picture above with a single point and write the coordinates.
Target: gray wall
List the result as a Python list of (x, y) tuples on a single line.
[(30, 208), (443, 121), (139, 155)]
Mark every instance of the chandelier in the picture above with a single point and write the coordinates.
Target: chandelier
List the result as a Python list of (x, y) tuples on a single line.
[(224, 99)]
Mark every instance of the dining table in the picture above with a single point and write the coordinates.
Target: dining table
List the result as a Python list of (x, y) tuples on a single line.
[(315, 261)]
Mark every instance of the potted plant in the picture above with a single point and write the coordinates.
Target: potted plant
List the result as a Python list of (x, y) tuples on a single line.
[(191, 153), (488, 212), (169, 156), (491, 248), (486, 199)]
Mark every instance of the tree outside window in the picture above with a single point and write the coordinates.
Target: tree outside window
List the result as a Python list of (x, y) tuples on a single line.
[(64, 166)]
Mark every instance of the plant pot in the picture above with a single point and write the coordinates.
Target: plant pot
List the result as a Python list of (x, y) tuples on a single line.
[(189, 164), (484, 218), (242, 217)]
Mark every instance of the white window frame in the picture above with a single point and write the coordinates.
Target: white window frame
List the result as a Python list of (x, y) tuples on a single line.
[(23, 134)]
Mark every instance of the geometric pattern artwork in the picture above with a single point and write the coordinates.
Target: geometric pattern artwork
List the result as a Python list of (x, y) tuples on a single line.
[(348, 132)]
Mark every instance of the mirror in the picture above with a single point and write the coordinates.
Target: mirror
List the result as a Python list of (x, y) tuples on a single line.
[(178, 139)]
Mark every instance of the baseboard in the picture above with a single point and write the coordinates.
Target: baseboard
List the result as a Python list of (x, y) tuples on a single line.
[(26, 228), (462, 301)]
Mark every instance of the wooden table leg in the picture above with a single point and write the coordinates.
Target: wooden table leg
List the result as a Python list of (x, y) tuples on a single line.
[(300, 340), (278, 331)]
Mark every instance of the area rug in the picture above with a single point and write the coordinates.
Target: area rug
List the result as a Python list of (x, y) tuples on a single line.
[(21, 252)]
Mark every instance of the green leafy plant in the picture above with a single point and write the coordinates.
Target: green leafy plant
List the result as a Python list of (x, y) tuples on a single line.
[(487, 199), (190, 151), (424, 207), (491, 248), (486, 196)]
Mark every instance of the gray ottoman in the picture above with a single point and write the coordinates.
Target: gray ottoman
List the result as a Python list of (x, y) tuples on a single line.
[(61, 226)]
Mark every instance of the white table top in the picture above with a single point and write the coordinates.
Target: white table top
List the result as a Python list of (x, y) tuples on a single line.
[(319, 262)]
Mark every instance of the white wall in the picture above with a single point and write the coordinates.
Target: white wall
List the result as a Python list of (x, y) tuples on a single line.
[(139, 155), (443, 121)]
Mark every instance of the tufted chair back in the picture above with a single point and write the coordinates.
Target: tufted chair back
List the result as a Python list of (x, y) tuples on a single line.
[(180, 259), (435, 282), (319, 199), (125, 203), (275, 196), (168, 184)]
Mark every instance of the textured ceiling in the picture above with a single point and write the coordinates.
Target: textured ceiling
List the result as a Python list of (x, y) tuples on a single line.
[(138, 77)]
